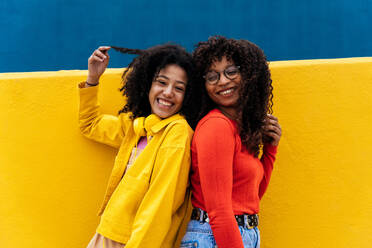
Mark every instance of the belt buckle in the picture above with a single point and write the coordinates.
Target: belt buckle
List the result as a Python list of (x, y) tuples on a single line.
[(247, 222), (203, 217)]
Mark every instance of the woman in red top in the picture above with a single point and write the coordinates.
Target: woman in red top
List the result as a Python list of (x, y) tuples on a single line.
[(228, 176)]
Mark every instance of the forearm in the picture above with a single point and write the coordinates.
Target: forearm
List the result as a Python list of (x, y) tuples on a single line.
[(267, 160), (94, 125)]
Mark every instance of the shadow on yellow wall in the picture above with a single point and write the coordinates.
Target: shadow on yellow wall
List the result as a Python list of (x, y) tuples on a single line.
[(52, 180)]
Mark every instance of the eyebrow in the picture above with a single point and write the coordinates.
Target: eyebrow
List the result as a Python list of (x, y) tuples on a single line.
[(169, 79), (223, 69)]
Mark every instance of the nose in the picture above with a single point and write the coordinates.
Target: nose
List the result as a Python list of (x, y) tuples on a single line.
[(223, 79), (168, 91)]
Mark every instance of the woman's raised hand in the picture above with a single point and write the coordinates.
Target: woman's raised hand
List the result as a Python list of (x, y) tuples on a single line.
[(97, 64), (272, 130)]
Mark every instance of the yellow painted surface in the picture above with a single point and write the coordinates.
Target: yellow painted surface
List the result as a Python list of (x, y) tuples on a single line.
[(52, 180)]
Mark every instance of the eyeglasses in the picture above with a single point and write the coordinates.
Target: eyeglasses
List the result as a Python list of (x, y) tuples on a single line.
[(230, 72)]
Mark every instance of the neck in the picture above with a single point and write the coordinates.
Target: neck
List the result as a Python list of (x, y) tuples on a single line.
[(229, 113)]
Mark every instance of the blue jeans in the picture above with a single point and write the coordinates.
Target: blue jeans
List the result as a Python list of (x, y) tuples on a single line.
[(199, 235)]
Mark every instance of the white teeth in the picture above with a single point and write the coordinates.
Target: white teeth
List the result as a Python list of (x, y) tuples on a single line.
[(226, 92), (163, 102)]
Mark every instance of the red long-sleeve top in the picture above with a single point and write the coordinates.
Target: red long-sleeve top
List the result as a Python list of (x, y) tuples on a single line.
[(226, 179)]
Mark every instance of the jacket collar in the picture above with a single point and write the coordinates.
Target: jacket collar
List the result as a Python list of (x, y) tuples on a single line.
[(152, 124), (164, 122)]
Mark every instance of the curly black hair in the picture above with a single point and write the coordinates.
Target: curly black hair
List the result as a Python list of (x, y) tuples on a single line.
[(255, 99), (140, 73)]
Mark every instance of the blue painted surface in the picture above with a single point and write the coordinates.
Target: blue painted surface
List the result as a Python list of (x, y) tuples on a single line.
[(42, 35)]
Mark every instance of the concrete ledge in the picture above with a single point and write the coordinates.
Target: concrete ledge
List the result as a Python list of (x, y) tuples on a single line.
[(52, 180)]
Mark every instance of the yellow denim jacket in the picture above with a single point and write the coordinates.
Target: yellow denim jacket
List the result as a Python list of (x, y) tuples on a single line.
[(147, 206)]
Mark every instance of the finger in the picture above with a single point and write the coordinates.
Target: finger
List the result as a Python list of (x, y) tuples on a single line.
[(272, 117), (271, 134), (103, 57), (274, 136), (104, 49), (275, 129), (272, 122), (95, 58), (100, 54)]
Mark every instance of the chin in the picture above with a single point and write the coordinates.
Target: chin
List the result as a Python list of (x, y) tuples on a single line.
[(163, 115)]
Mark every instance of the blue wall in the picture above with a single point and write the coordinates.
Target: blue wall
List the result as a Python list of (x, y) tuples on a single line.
[(44, 35)]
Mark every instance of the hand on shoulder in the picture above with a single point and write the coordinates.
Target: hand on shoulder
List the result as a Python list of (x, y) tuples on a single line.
[(272, 130)]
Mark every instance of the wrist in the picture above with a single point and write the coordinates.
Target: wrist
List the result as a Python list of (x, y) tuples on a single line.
[(92, 81), (88, 84)]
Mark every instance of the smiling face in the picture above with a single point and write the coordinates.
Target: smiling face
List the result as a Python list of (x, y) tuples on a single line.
[(167, 91), (225, 93)]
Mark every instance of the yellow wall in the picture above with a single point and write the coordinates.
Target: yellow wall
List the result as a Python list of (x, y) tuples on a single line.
[(52, 180)]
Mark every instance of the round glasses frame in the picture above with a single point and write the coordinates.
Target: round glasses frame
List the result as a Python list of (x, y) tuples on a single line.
[(231, 69)]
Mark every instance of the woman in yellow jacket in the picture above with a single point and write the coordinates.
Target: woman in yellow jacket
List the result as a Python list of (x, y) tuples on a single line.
[(147, 199)]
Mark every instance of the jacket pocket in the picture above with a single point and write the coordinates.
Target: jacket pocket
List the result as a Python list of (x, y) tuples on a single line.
[(124, 202)]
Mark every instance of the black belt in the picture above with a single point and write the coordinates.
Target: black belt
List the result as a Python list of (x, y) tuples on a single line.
[(245, 220)]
